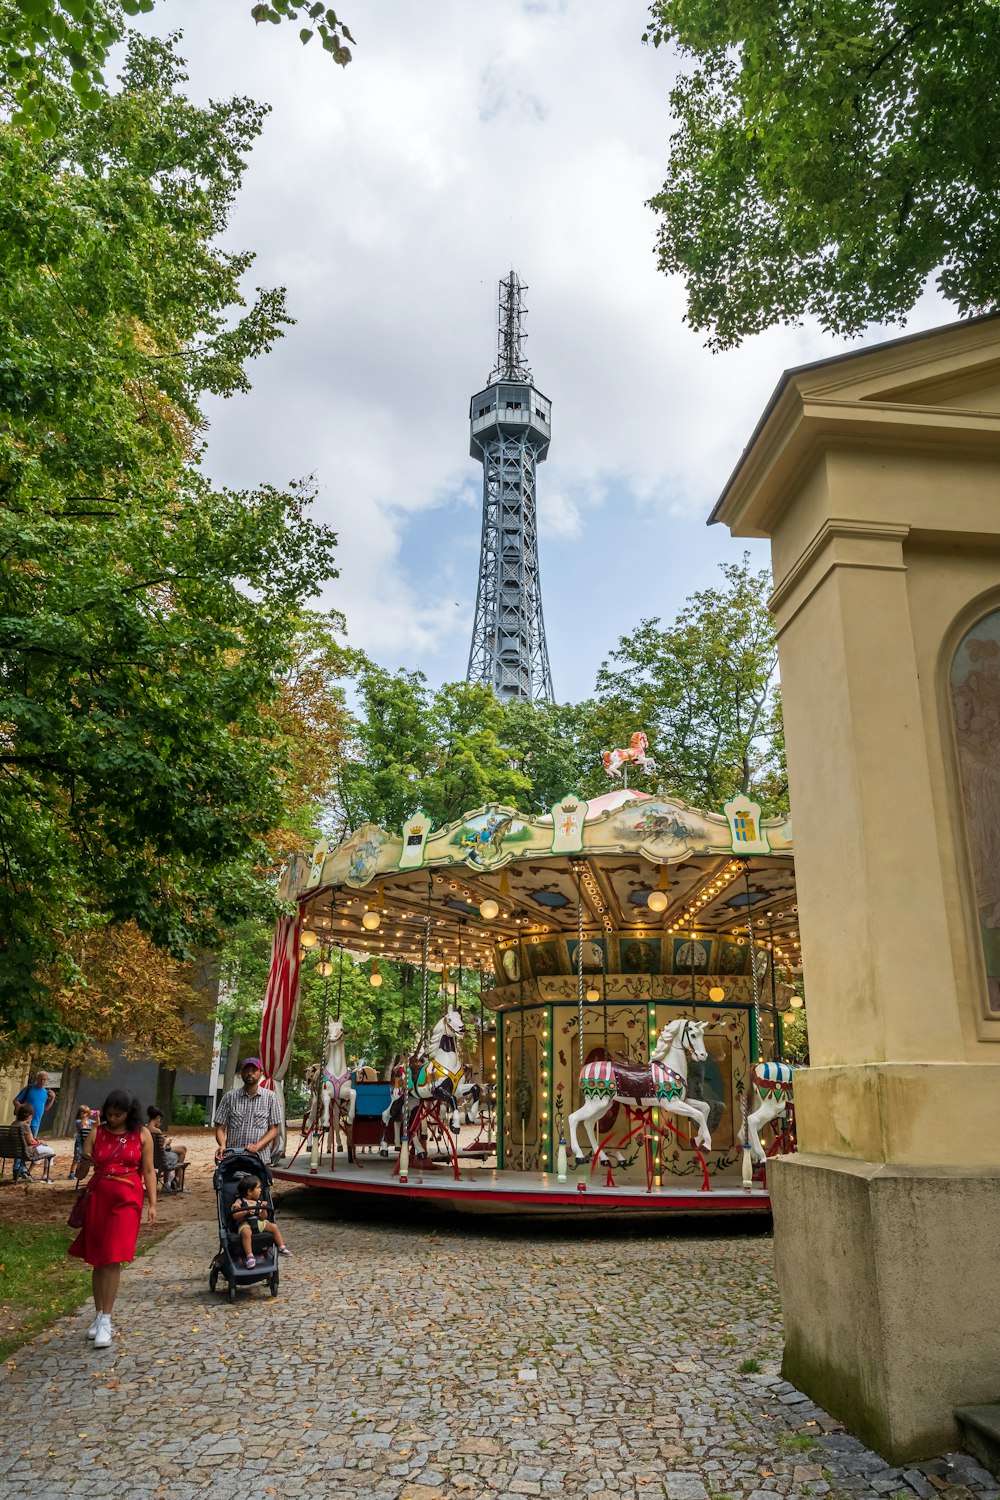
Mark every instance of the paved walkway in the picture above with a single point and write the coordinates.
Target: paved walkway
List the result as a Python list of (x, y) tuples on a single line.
[(429, 1363)]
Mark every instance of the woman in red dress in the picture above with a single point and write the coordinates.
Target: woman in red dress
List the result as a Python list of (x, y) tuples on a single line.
[(121, 1154)]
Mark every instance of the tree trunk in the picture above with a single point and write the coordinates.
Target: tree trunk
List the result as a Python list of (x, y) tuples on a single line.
[(166, 1078), (64, 1118)]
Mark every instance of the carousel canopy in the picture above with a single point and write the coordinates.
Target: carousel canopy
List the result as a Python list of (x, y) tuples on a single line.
[(648, 871)]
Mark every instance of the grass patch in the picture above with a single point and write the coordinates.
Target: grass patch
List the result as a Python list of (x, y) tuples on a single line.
[(796, 1442), (749, 1367), (39, 1282)]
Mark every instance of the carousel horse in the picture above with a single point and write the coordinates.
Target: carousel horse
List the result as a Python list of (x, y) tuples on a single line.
[(439, 1076), (660, 1083), (333, 1096), (772, 1083), (615, 761)]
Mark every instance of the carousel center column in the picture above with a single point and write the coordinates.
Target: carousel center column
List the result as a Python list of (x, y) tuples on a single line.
[(885, 543)]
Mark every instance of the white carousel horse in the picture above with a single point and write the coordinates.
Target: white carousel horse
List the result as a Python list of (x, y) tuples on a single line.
[(660, 1083), (772, 1083), (333, 1096), (615, 761), (440, 1076)]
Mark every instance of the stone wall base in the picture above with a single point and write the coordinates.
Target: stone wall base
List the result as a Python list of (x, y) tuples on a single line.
[(889, 1278)]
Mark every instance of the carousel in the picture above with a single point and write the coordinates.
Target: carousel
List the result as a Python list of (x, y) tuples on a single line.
[(632, 960)]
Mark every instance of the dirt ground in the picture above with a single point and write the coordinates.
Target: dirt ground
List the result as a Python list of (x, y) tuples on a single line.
[(34, 1203)]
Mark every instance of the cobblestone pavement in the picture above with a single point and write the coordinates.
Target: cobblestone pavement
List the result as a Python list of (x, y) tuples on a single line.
[(429, 1362)]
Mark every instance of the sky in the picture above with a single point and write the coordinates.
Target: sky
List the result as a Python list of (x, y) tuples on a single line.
[(389, 198)]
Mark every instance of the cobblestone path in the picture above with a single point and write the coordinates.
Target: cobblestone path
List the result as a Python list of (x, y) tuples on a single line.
[(423, 1363)]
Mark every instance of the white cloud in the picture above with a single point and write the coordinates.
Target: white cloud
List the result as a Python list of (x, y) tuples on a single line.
[(389, 198)]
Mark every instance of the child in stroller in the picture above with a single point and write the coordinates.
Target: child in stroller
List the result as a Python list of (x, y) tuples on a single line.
[(249, 1214), (231, 1261)]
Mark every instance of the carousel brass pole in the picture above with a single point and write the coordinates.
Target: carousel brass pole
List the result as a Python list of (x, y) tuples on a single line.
[(604, 999), (753, 964), (579, 958), (774, 997)]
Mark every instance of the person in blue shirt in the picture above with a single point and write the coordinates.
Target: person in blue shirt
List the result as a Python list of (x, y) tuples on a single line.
[(39, 1096)]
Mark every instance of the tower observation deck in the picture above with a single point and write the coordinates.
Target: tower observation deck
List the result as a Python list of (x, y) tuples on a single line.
[(510, 430)]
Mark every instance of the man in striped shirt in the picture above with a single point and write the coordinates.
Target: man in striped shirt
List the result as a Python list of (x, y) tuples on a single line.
[(248, 1117)]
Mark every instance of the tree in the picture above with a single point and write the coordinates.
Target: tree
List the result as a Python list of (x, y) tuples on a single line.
[(444, 752), (705, 692), (81, 33), (146, 619), (829, 158)]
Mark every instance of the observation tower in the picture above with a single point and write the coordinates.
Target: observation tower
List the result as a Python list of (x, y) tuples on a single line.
[(510, 430)]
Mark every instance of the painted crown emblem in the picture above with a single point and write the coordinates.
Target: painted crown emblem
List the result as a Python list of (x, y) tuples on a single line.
[(416, 828)]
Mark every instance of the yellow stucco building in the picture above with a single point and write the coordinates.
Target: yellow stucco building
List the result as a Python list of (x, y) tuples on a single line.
[(876, 476)]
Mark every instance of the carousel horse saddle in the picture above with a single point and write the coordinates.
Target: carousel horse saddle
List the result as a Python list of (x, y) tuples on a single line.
[(641, 1081)]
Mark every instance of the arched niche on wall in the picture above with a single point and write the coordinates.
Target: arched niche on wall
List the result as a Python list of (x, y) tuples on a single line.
[(975, 698)]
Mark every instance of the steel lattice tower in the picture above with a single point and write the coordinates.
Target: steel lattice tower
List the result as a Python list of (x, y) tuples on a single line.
[(510, 437)]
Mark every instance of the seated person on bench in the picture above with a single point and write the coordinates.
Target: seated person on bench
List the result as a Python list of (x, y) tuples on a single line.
[(22, 1116), (172, 1158)]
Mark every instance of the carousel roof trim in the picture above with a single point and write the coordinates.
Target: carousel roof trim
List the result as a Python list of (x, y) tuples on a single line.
[(661, 830)]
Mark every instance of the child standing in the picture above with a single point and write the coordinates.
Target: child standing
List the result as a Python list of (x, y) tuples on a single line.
[(80, 1139), (250, 1217)]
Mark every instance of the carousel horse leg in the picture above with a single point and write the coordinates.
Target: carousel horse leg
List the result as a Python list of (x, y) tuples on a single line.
[(589, 1111), (689, 1109)]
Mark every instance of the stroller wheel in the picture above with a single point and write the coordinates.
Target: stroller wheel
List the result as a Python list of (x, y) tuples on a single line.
[(232, 1291), (213, 1279), (273, 1286)]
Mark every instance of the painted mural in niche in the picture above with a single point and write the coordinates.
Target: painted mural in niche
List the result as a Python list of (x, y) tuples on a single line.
[(975, 695)]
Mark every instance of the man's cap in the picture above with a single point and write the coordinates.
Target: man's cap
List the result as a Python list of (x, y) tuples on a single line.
[(251, 1062)]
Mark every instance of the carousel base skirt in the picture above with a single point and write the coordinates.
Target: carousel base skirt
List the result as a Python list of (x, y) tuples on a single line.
[(483, 1189)]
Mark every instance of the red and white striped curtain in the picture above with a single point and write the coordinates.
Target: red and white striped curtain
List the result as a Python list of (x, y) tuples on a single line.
[(281, 1004)]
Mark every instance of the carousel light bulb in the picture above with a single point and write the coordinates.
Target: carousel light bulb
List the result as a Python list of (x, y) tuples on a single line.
[(788, 1017), (371, 920), (593, 994), (796, 1002), (308, 939), (375, 978), (324, 968), (717, 994), (656, 901)]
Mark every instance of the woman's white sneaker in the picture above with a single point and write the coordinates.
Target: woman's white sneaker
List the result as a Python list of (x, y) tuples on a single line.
[(95, 1325), (102, 1337)]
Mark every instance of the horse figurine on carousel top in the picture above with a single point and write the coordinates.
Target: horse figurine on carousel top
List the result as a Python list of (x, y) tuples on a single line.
[(617, 762), (660, 1083)]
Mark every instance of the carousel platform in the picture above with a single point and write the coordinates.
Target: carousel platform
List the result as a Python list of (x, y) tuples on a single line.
[(482, 1189)]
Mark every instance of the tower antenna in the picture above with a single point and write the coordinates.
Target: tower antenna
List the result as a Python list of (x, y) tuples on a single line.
[(511, 363)]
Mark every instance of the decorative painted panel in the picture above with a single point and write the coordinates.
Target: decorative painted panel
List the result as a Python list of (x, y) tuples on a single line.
[(975, 695)]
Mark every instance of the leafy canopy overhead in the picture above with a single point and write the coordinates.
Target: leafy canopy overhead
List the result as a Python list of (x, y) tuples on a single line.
[(79, 34), (830, 156), (147, 620)]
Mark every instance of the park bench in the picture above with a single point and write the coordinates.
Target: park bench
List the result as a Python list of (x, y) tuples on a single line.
[(15, 1149), (160, 1164)]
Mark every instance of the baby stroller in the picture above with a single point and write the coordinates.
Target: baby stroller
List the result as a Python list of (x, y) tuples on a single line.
[(229, 1260)]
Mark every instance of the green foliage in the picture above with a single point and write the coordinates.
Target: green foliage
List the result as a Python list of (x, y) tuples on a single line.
[(829, 158), (445, 752), (145, 619), (185, 1111), (705, 692), (77, 35)]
